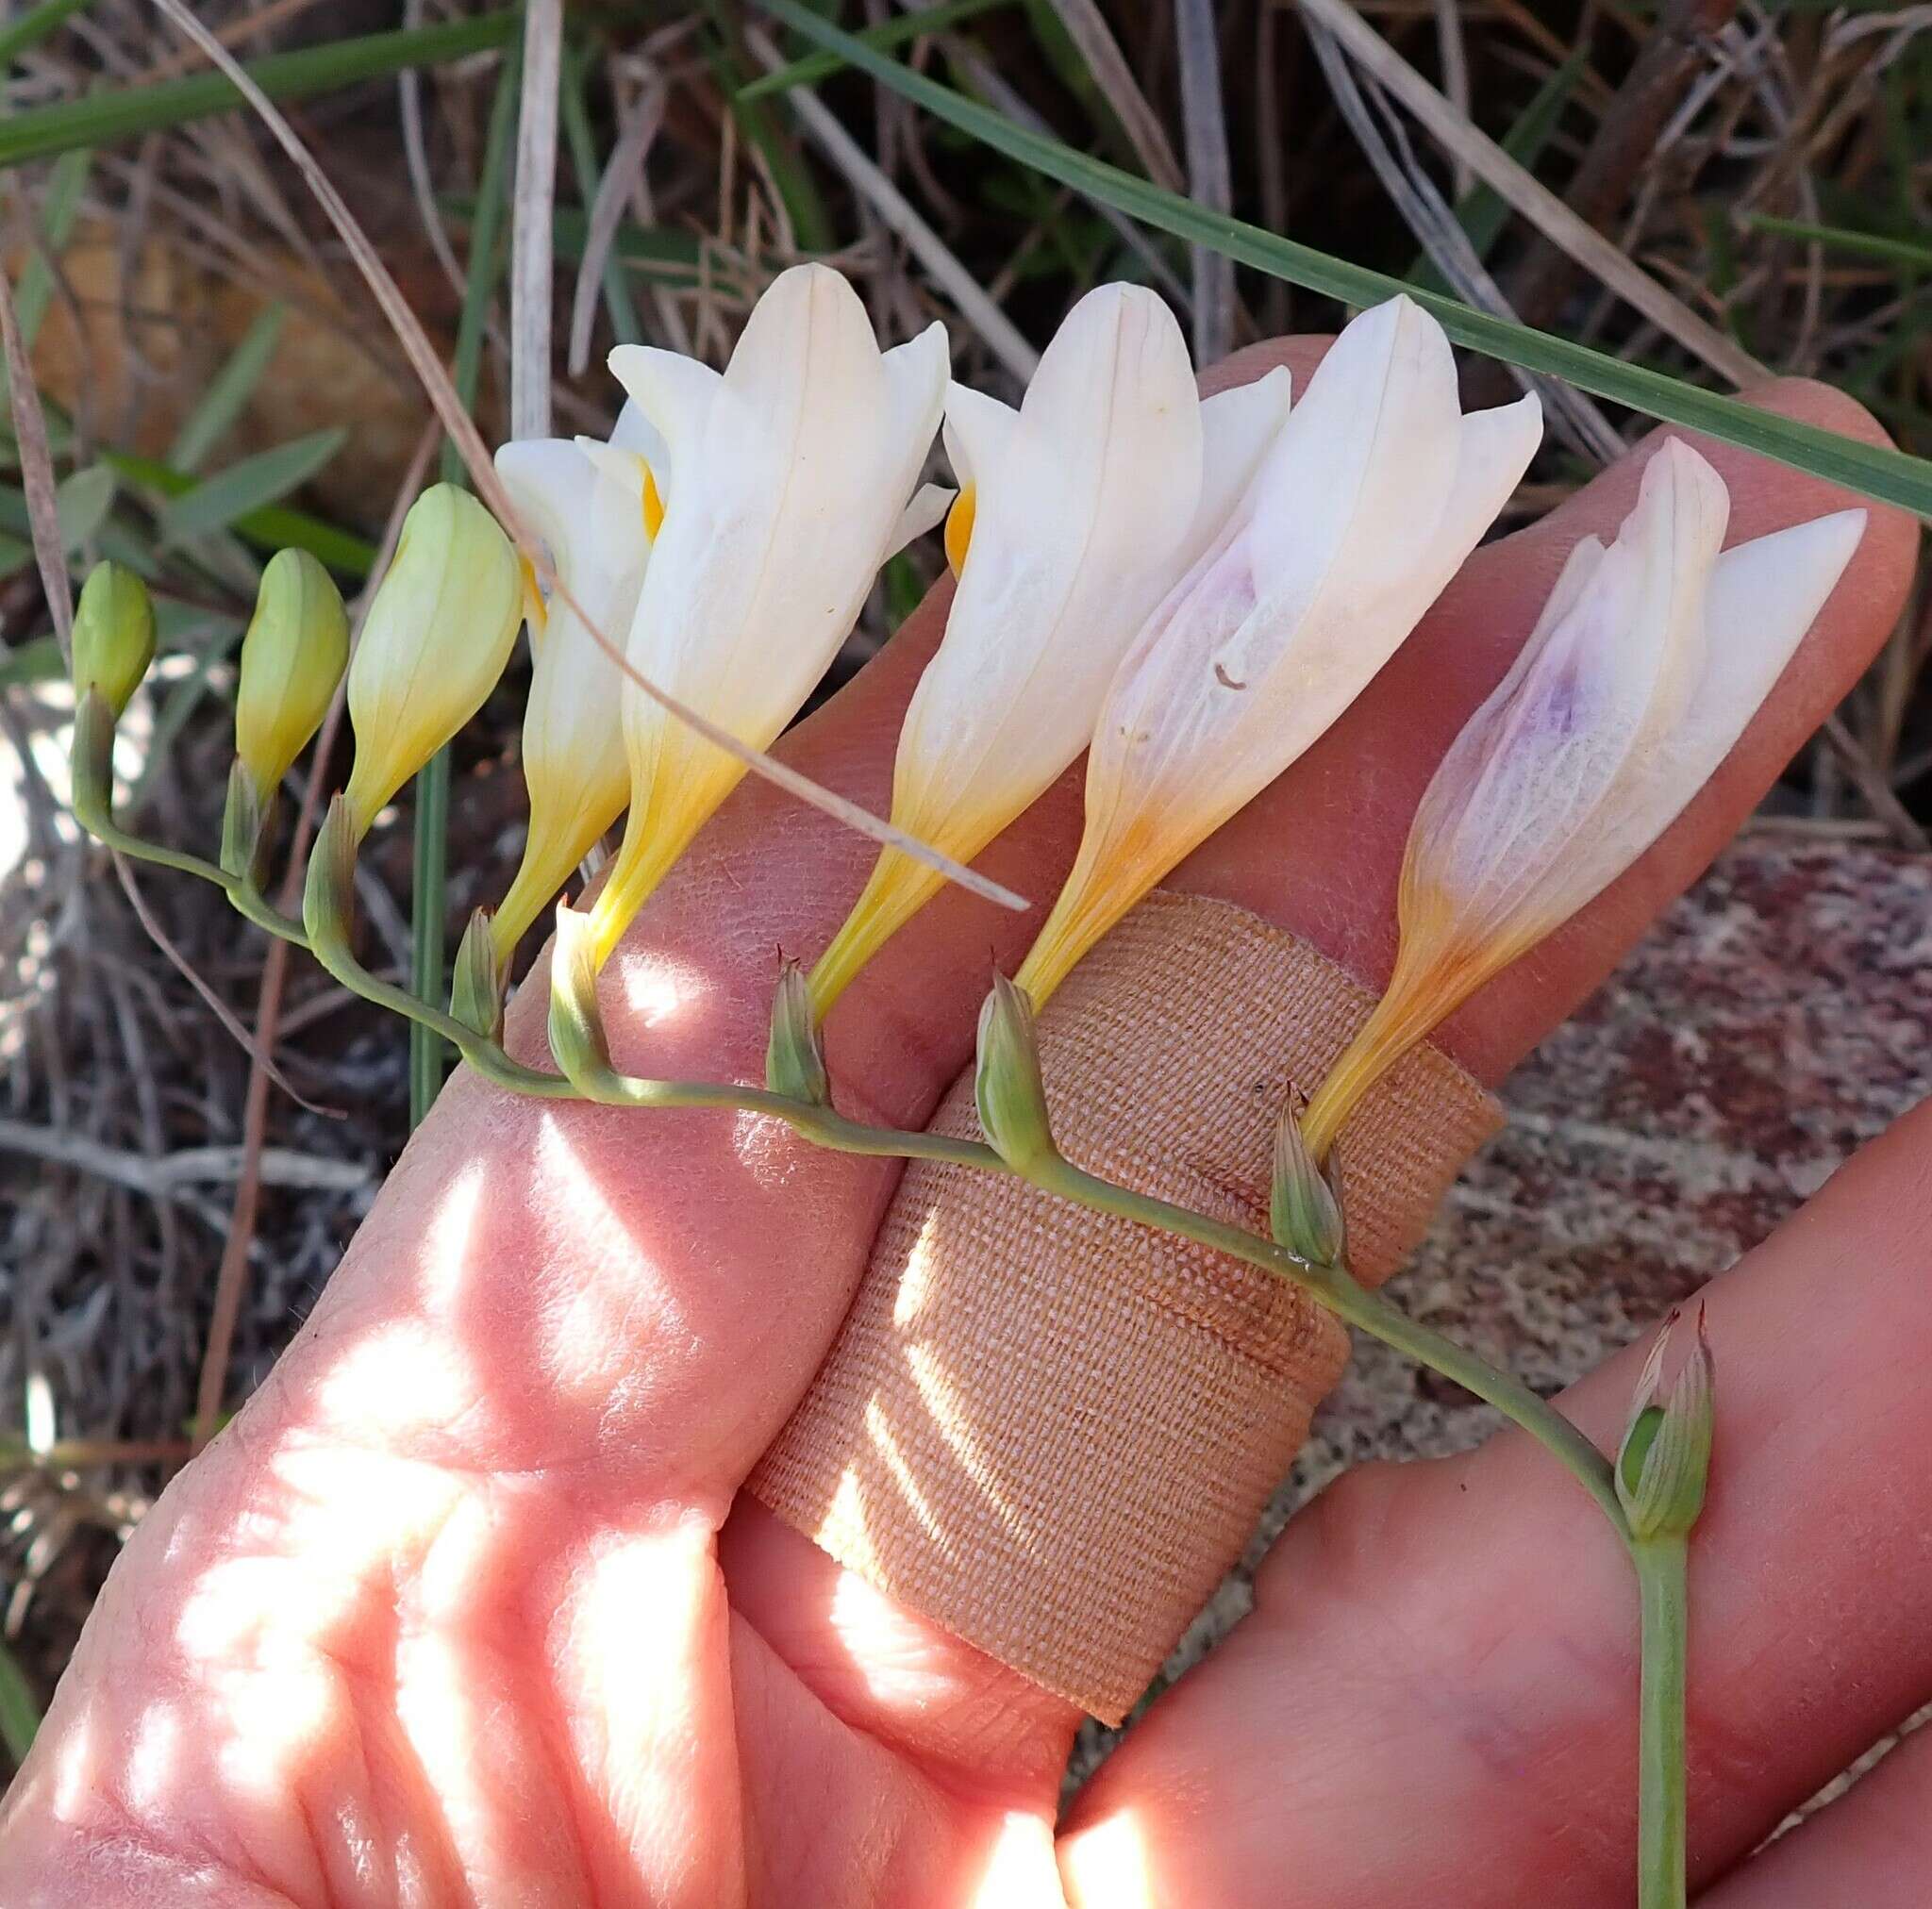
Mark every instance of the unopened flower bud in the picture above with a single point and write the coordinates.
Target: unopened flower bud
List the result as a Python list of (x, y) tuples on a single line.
[(475, 995), (292, 657), (113, 635), (577, 1026), (437, 639), (795, 1059), (1007, 1085), (1665, 1458), (1305, 1202)]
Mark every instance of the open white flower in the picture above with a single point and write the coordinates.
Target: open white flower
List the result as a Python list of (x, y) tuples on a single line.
[(1371, 495), (788, 479), (1647, 662), (596, 509), (1076, 513)]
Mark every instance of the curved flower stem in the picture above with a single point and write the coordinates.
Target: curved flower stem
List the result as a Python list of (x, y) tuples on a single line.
[(247, 899), (1332, 1287), (1660, 1811)]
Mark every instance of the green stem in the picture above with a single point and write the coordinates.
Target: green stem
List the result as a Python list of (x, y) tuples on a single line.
[(247, 899), (1660, 1794), (1332, 1287)]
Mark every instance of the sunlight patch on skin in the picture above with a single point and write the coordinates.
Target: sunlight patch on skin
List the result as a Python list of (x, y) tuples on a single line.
[(643, 1631), (768, 1150), (76, 1775), (494, 1782), (445, 1261), (1021, 1871), (595, 1331), (1105, 1866), (895, 1655), (655, 989), (151, 1767)]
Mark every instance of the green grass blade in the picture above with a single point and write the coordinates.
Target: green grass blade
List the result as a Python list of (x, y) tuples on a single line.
[(19, 1716), (228, 391), (1889, 475), (34, 292), (218, 501), (269, 528), (125, 112), (34, 26), (429, 873), (896, 32), (82, 503), (1845, 238)]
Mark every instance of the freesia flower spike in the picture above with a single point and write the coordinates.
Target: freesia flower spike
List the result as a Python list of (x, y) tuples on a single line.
[(1647, 662), (789, 483), (1371, 495), (1076, 515), (598, 509), (433, 645)]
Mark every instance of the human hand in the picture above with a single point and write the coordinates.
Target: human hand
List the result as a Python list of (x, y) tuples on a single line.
[(466, 1605)]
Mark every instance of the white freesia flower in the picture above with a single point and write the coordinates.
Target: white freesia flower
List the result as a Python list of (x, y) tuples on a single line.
[(1648, 661), (1371, 495), (596, 509), (1076, 513), (435, 641), (788, 479)]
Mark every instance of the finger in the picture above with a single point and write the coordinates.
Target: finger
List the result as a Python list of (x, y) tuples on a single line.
[(1871, 1847), (1434, 1697)]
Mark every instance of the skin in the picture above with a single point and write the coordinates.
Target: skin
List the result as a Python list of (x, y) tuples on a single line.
[(466, 1606)]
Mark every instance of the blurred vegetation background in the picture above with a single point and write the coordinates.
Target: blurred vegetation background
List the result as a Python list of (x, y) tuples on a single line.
[(216, 382)]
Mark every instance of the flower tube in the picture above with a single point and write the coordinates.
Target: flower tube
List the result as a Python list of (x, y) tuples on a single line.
[(789, 482), (435, 641), (598, 509), (1373, 492), (1076, 515), (1648, 660)]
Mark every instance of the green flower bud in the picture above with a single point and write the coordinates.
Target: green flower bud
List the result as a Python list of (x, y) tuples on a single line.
[(292, 657), (1665, 1458), (576, 1025), (1006, 1085), (436, 639), (1304, 1203), (475, 996), (795, 1057), (113, 635)]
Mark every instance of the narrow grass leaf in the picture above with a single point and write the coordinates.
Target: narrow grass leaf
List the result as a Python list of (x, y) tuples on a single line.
[(125, 112), (34, 26), (217, 501), (82, 503), (896, 32), (1891, 476), (228, 391)]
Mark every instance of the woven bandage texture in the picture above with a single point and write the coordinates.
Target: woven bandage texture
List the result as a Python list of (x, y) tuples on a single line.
[(1050, 1430)]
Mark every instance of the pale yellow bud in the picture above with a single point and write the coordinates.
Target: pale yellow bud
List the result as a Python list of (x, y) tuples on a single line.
[(437, 639), (113, 635), (292, 657)]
